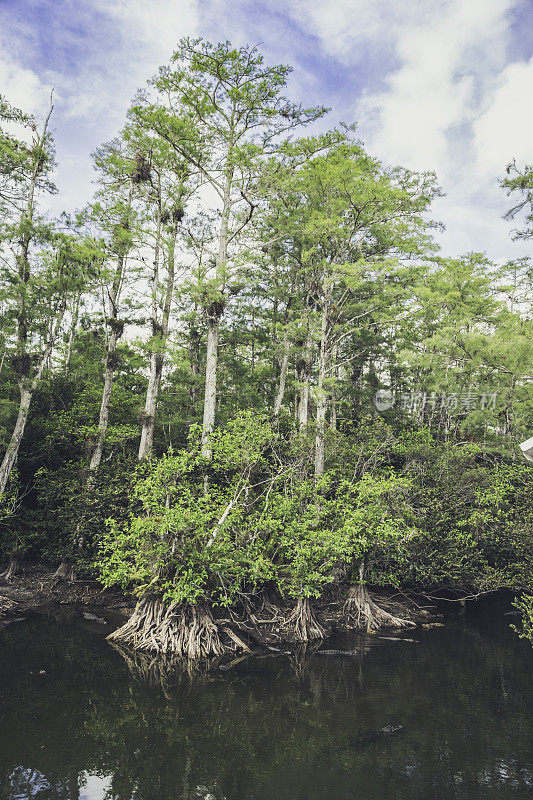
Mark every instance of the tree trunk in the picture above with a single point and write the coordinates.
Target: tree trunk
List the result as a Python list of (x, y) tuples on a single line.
[(210, 385), (103, 419), (26, 394), (27, 391), (214, 313), (303, 622), (16, 437), (65, 571), (194, 361), (111, 360), (72, 333), (184, 630), (304, 372), (13, 568), (322, 400), (282, 376), (148, 422), (333, 394), (157, 358), (363, 614)]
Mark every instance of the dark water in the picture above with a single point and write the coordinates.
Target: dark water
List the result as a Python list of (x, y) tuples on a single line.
[(94, 727)]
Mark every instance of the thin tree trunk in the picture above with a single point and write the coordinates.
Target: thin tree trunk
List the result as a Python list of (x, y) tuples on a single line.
[(284, 362), (157, 358), (214, 312), (210, 384), (26, 395), (103, 419), (16, 437), (72, 333), (282, 376), (333, 397), (23, 263), (303, 376), (111, 362), (194, 361), (322, 400)]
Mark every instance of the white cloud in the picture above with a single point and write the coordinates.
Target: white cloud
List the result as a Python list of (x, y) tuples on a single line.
[(343, 26), (432, 87), (504, 131), (155, 25), (446, 66), (446, 99), (22, 87)]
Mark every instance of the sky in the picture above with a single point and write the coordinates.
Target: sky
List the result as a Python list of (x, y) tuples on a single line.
[(444, 85)]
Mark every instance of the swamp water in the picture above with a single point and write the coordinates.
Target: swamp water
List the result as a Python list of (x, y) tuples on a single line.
[(80, 723)]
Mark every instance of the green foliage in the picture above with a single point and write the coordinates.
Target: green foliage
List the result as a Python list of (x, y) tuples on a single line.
[(337, 291), (525, 605), (416, 511)]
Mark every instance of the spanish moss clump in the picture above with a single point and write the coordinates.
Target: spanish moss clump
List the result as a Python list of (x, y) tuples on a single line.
[(177, 213), (362, 613), (184, 630), (142, 171), (117, 326), (21, 363), (303, 622)]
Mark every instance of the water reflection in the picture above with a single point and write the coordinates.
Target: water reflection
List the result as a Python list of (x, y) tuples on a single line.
[(81, 720)]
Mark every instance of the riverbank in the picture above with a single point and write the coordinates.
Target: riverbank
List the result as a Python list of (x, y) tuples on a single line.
[(36, 588)]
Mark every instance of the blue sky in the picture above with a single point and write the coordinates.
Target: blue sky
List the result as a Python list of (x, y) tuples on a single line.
[(433, 84)]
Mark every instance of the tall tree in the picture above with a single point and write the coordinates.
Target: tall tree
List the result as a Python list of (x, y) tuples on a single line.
[(234, 105), (41, 267)]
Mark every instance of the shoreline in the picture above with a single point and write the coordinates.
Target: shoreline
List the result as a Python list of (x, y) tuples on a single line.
[(35, 588)]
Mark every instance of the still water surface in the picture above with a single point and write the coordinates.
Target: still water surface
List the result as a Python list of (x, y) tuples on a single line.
[(80, 723)]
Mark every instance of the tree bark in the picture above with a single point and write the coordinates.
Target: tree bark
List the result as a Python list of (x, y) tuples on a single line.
[(304, 372), (11, 453), (194, 361), (72, 333), (26, 394), (284, 363), (157, 357), (333, 394), (110, 367), (210, 384), (282, 375), (103, 419), (322, 400), (214, 312)]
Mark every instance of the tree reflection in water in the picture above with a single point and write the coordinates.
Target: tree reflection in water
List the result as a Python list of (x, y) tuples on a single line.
[(100, 723)]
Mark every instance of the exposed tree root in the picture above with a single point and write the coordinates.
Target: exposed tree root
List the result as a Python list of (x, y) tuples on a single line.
[(13, 568), (303, 622), (186, 631), (65, 572), (364, 614), (267, 609)]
